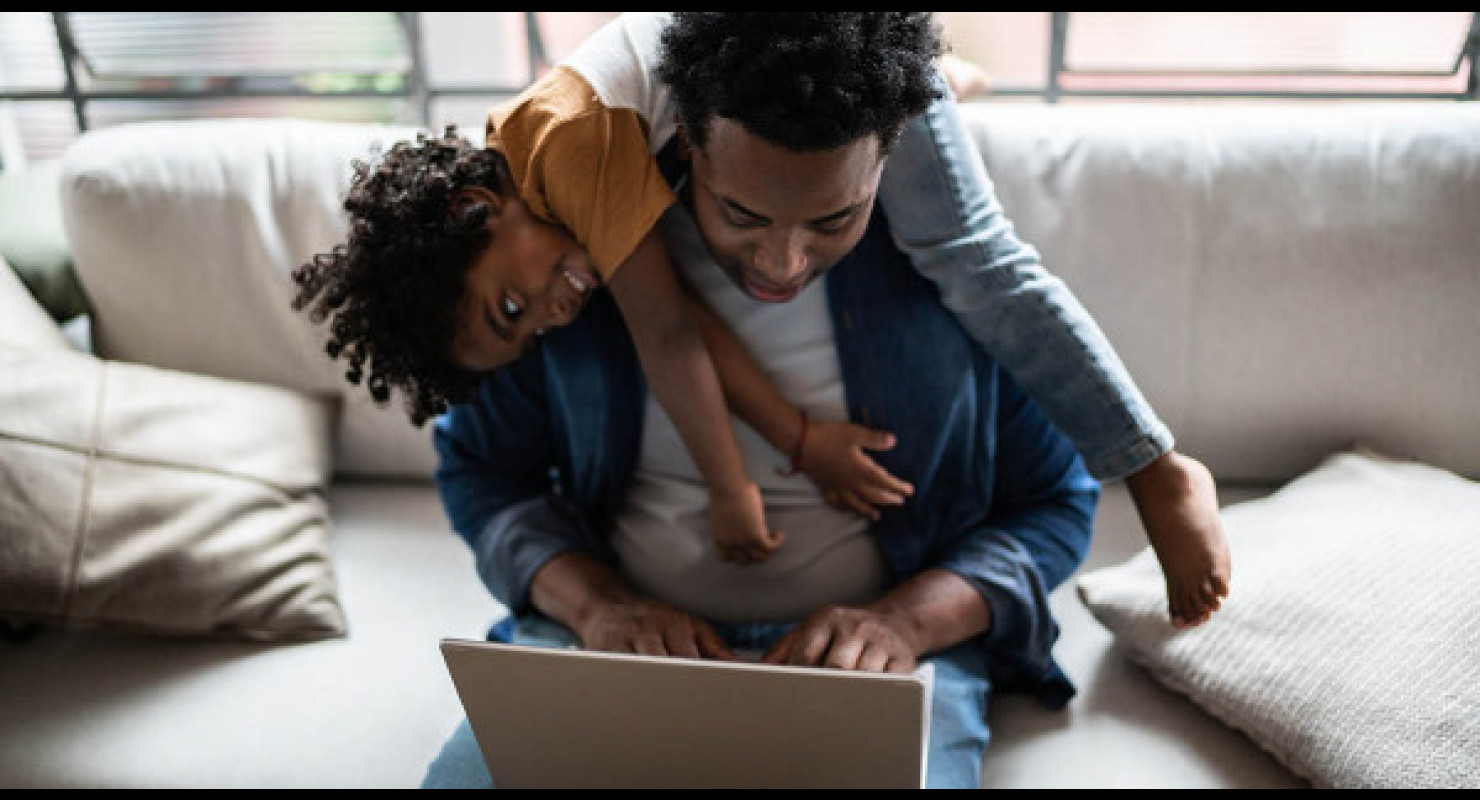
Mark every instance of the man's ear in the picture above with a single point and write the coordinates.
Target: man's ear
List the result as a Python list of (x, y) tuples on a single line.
[(685, 148)]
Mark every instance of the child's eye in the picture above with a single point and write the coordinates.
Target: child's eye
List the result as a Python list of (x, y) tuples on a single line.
[(511, 309)]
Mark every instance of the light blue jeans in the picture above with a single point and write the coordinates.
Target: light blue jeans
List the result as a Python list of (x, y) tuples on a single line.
[(944, 214), (958, 710)]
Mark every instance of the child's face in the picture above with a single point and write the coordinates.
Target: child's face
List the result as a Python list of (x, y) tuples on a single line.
[(531, 277)]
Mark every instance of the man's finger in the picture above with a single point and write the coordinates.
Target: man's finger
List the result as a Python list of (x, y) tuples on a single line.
[(780, 652), (711, 646), (844, 652), (679, 640), (877, 440), (900, 666), (874, 659), (648, 643), (811, 645)]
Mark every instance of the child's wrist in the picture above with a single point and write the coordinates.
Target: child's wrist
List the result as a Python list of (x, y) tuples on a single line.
[(798, 448), (732, 491)]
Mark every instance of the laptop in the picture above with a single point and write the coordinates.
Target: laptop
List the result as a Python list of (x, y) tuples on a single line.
[(570, 718)]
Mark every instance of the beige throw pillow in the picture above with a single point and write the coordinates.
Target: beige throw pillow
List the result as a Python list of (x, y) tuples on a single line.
[(1349, 646), (23, 322), (162, 502)]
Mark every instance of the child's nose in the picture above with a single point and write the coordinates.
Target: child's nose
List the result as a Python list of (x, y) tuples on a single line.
[(560, 310)]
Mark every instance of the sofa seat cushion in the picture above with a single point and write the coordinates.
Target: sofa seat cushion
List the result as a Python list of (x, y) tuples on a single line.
[(92, 710)]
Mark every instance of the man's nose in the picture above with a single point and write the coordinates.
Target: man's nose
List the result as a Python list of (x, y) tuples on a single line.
[(782, 258)]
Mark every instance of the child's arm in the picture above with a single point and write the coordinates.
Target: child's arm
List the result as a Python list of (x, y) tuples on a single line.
[(682, 376), (833, 453)]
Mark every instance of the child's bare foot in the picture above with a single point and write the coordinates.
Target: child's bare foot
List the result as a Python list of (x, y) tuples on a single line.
[(1178, 503)]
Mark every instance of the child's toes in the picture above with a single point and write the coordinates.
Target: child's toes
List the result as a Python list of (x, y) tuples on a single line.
[(1178, 609), (1209, 596)]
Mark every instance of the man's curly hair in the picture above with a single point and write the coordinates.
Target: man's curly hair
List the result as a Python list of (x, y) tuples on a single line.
[(394, 287), (805, 80)]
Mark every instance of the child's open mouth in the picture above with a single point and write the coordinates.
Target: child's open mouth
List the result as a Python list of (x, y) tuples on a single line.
[(582, 280)]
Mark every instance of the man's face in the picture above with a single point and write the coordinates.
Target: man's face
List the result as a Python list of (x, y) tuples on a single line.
[(775, 219)]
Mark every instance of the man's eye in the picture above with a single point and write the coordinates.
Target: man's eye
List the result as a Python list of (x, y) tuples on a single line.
[(511, 309), (741, 221)]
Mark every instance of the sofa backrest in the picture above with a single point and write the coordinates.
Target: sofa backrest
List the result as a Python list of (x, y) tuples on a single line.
[(185, 235), (1282, 281)]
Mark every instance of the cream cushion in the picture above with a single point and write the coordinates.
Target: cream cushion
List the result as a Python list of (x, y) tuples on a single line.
[(1350, 643), (156, 501), (185, 235), (23, 322), (1281, 280)]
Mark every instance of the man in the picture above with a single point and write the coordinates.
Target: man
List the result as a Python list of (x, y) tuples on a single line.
[(581, 505)]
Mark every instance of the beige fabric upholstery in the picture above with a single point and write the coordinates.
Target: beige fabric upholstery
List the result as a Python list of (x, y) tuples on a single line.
[(1281, 281), (163, 502), (23, 322), (1262, 365), (186, 233)]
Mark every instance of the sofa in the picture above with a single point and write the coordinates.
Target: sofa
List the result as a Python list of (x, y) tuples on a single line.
[(1284, 281)]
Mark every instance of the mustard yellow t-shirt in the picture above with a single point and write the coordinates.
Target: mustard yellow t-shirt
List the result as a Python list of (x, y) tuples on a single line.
[(579, 142)]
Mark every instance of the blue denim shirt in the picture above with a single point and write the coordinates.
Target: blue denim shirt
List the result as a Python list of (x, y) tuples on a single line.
[(538, 464)]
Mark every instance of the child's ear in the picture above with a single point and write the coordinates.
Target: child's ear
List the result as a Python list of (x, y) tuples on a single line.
[(470, 196)]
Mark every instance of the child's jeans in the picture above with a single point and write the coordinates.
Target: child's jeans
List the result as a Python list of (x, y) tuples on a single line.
[(944, 214)]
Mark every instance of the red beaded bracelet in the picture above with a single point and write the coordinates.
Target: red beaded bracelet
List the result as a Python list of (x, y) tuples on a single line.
[(796, 452)]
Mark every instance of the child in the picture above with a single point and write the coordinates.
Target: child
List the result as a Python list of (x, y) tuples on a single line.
[(446, 273)]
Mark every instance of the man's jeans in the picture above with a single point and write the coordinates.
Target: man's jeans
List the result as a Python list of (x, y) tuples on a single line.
[(958, 712), (944, 214)]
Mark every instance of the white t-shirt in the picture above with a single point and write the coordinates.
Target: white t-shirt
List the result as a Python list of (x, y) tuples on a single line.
[(662, 532)]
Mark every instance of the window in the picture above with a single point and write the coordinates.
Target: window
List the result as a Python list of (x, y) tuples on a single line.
[(63, 72)]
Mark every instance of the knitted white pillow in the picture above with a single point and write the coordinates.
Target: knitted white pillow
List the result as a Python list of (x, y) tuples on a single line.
[(1349, 647)]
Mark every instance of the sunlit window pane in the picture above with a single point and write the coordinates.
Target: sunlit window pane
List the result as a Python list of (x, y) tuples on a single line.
[(464, 49), (103, 113), (232, 43), (44, 128), (1265, 41), (1012, 46), (29, 58), (563, 31)]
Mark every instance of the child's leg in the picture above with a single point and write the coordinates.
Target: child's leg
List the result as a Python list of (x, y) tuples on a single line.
[(944, 214)]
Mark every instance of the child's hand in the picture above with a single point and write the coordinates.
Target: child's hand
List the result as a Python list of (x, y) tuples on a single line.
[(737, 520), (834, 458)]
